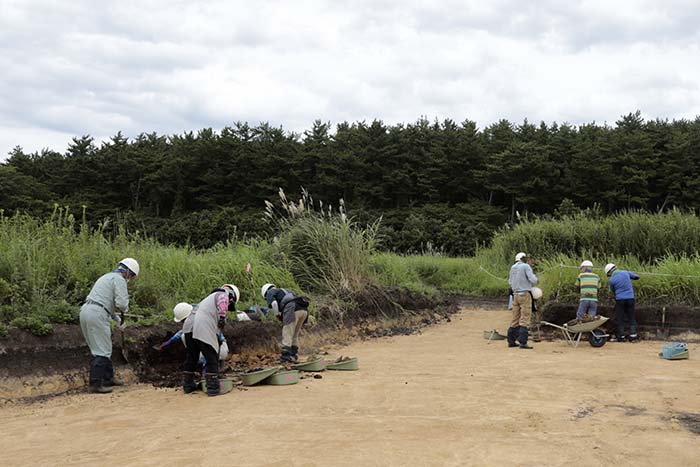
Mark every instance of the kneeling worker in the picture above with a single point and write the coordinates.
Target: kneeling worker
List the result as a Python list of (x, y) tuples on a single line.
[(293, 311)]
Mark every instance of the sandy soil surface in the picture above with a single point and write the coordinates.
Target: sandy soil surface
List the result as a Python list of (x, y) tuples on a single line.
[(443, 397)]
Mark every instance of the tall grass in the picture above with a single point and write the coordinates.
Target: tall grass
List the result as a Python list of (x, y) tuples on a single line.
[(649, 237), (48, 267)]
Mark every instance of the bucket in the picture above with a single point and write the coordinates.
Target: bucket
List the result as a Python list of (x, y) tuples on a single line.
[(675, 351), (350, 364), (283, 378)]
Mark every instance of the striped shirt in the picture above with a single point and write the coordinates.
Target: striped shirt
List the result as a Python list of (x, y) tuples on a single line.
[(589, 283)]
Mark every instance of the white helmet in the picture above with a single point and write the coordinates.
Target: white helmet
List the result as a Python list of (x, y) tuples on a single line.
[(520, 256), (536, 293), (265, 288), (131, 264), (181, 311), (609, 268), (586, 264), (234, 289)]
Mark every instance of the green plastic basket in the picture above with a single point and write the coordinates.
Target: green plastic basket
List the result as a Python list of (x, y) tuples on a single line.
[(226, 385), (283, 378), (347, 365), (493, 335), (314, 365), (255, 377)]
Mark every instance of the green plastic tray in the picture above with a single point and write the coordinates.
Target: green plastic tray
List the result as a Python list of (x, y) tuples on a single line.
[(314, 365), (348, 365), (283, 378), (494, 335), (679, 356), (255, 377), (225, 384)]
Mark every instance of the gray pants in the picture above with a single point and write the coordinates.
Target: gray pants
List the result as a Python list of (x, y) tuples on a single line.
[(290, 332), (96, 326)]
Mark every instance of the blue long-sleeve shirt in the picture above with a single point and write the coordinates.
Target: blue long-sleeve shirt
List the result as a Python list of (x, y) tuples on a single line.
[(621, 284)]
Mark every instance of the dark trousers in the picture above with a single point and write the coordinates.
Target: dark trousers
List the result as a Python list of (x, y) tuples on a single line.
[(194, 347), (101, 370), (624, 315)]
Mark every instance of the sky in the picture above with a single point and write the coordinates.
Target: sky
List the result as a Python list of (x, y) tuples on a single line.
[(73, 68)]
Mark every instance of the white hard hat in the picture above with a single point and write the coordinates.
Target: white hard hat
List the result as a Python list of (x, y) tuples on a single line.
[(265, 288), (586, 264), (520, 256), (181, 311), (131, 264), (609, 267), (536, 293), (234, 289)]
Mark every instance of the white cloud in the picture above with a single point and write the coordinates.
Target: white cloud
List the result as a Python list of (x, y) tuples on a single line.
[(69, 68)]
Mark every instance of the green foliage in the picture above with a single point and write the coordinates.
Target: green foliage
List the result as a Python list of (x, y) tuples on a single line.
[(3, 330), (324, 250), (449, 183), (34, 324), (646, 236)]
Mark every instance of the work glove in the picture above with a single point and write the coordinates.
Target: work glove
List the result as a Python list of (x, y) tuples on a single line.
[(222, 322)]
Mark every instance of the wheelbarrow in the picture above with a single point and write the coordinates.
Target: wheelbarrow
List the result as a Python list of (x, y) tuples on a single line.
[(572, 334)]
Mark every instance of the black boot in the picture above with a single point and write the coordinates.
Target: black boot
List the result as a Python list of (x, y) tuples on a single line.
[(295, 353), (522, 338), (188, 384), (512, 336), (98, 372), (287, 355), (213, 387), (109, 378)]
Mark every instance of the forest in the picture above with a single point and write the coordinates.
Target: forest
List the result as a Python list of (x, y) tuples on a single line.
[(437, 185)]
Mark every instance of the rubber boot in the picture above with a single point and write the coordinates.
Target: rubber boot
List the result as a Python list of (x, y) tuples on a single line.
[(109, 379), (522, 338), (98, 372), (512, 336), (188, 384), (295, 353), (287, 355), (213, 387)]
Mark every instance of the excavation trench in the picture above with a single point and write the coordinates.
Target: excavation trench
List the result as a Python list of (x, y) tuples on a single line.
[(33, 367)]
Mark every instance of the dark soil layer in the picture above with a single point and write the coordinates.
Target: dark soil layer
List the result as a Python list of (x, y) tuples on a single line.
[(253, 344), (659, 320)]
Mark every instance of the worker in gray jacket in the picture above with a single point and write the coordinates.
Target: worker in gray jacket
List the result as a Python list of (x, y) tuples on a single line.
[(293, 311), (201, 336), (108, 295), (521, 280)]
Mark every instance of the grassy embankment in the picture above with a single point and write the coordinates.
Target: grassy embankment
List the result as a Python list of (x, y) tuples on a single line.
[(47, 267), (664, 248)]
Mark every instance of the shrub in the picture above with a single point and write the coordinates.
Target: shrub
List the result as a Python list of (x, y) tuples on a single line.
[(34, 324)]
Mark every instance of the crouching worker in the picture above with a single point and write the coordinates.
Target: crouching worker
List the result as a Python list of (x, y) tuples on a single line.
[(185, 311), (522, 279), (108, 295), (207, 323), (293, 311)]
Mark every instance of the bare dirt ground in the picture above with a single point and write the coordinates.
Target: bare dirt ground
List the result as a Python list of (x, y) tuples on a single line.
[(442, 397)]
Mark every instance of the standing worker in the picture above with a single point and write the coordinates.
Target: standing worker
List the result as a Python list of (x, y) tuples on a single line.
[(588, 282), (293, 311), (108, 295), (202, 335), (521, 280), (621, 285)]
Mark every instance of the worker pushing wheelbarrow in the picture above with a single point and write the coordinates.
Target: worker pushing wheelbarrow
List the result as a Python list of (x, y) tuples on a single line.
[(574, 331)]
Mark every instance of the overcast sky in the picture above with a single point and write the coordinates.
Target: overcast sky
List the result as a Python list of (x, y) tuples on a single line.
[(75, 67)]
